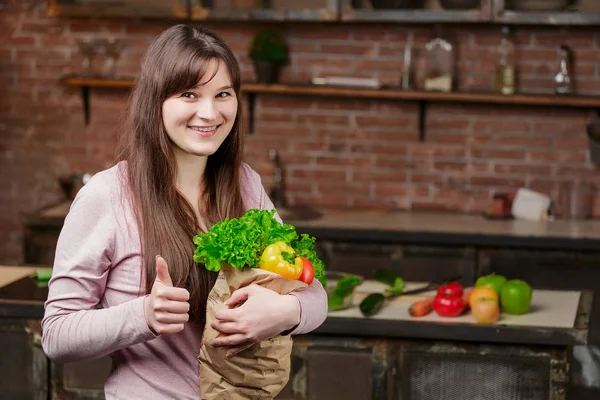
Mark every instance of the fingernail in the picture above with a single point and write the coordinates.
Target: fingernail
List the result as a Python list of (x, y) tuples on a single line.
[(213, 343)]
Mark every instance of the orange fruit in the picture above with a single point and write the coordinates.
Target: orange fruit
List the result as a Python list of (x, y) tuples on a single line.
[(482, 292)]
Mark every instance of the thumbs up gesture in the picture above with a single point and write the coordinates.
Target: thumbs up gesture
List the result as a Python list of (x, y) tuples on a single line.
[(166, 307)]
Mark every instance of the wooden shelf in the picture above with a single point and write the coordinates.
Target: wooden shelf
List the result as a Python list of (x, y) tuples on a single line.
[(398, 94), (98, 82), (388, 93), (548, 18)]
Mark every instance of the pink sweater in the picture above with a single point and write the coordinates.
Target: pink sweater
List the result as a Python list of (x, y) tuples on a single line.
[(98, 261)]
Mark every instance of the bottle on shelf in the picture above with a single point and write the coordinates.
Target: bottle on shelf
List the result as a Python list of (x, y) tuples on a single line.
[(440, 68), (504, 79), (562, 80)]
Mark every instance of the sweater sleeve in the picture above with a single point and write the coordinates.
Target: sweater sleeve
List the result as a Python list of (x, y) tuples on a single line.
[(313, 300), (74, 328)]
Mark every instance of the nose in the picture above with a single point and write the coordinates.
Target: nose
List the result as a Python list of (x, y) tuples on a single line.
[(206, 109)]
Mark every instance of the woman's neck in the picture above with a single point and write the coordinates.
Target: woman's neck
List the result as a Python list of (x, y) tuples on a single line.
[(190, 175)]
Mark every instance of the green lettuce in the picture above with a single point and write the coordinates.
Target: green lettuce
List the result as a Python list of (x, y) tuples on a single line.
[(240, 242)]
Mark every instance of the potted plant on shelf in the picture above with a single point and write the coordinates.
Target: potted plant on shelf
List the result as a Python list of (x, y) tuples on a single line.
[(269, 52)]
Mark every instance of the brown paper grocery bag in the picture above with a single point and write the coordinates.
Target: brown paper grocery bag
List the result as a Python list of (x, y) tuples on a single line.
[(259, 372)]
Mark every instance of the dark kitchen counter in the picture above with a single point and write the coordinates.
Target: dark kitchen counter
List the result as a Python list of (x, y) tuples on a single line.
[(439, 228), (435, 228), (21, 298)]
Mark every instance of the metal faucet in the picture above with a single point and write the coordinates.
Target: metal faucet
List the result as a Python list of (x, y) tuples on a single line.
[(277, 194)]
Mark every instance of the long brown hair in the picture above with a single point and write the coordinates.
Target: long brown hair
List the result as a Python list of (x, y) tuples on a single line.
[(175, 62)]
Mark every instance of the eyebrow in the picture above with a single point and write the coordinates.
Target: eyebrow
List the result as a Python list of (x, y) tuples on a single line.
[(221, 88)]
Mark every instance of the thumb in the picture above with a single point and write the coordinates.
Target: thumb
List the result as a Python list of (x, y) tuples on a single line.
[(238, 296), (162, 271)]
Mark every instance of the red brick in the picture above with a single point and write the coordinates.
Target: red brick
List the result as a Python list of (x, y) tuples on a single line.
[(380, 148), (437, 150), (575, 142), (573, 38), (392, 162), (321, 147), (377, 65), (342, 188), (375, 175), (360, 49), (322, 174), (501, 125), (21, 41), (587, 170), (521, 169), (346, 160), (384, 120), (492, 153), (370, 35), (423, 177), (274, 116), (293, 102), (323, 119), (557, 156), (401, 189), (456, 123), (556, 127), (521, 141), (324, 62), (333, 33)]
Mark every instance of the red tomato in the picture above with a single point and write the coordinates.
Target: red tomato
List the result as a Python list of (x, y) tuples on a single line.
[(308, 272)]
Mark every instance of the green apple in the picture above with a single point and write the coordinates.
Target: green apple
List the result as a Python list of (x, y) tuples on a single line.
[(493, 281), (515, 297)]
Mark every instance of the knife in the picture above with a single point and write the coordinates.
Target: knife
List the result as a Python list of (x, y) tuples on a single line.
[(374, 302)]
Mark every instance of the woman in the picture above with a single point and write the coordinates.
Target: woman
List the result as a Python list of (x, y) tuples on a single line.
[(126, 242)]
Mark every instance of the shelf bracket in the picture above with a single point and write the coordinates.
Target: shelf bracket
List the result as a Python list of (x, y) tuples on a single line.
[(85, 96), (422, 116), (251, 107)]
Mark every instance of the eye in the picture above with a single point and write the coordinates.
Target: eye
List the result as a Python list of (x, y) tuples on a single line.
[(224, 94), (188, 95)]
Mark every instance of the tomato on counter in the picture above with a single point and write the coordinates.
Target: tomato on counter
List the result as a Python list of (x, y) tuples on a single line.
[(449, 301)]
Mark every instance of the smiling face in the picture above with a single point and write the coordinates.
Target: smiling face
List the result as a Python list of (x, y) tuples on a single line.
[(199, 119)]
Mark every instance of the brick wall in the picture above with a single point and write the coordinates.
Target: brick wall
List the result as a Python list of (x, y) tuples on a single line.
[(336, 152)]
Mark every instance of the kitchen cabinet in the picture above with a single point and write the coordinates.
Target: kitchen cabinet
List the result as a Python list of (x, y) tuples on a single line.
[(411, 12), (332, 367), (24, 367), (82, 380), (376, 11), (259, 10), (564, 13)]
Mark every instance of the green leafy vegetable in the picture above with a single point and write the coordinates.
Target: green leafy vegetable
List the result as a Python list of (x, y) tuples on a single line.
[(388, 277), (343, 289), (240, 242)]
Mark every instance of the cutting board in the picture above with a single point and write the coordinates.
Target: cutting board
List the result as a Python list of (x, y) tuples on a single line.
[(9, 274), (549, 308)]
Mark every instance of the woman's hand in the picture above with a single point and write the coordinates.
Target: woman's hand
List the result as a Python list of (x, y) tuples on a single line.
[(166, 307), (263, 315)]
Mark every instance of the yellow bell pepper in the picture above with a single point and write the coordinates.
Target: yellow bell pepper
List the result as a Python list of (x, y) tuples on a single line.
[(272, 260)]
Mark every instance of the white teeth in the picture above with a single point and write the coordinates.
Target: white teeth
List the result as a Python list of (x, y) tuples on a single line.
[(204, 128)]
